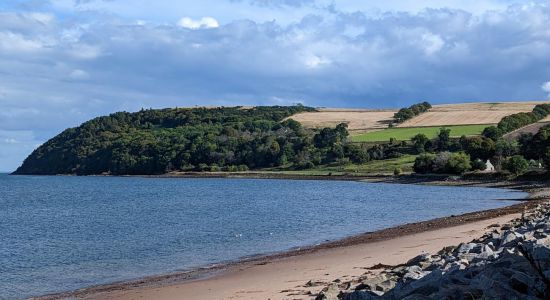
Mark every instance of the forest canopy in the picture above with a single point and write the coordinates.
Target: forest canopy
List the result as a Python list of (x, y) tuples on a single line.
[(158, 141)]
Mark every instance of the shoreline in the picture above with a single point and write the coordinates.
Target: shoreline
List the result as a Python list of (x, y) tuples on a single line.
[(536, 191)]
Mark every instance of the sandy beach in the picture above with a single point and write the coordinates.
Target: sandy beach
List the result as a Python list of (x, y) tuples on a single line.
[(302, 273), (287, 277)]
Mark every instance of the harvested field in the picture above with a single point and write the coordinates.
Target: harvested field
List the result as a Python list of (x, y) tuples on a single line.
[(533, 129), (468, 113), (364, 120), (358, 120)]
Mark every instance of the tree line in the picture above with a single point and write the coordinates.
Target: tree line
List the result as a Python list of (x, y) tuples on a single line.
[(197, 139), (410, 112), (456, 156)]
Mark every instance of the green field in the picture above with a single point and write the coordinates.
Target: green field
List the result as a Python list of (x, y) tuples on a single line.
[(405, 134), (373, 167)]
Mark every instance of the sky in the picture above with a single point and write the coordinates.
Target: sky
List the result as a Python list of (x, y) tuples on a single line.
[(67, 61)]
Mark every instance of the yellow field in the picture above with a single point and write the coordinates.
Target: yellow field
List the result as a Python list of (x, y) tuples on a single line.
[(468, 113), (363, 120), (358, 120)]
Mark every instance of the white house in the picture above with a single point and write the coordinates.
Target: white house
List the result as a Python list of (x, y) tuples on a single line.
[(489, 166)]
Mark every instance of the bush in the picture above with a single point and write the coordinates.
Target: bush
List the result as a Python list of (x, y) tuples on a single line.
[(478, 164), (492, 132), (442, 163), (420, 141), (424, 163), (458, 163), (397, 171), (516, 165), (242, 168)]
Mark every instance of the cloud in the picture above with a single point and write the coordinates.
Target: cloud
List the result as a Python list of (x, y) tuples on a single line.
[(279, 3), (205, 22), (58, 72), (79, 75), (546, 88)]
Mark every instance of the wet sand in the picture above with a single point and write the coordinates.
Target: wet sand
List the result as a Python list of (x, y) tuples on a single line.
[(287, 277)]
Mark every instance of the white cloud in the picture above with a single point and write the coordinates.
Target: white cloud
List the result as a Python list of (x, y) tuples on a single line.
[(314, 61), (79, 75), (85, 51), (205, 22), (328, 57), (10, 41), (11, 141), (433, 43), (546, 88)]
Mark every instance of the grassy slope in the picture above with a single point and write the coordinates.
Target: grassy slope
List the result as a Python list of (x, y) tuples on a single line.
[(404, 134), (386, 166)]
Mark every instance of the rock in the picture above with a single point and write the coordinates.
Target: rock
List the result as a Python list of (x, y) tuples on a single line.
[(414, 273), (385, 286), (521, 282), (380, 283), (360, 295), (494, 266), (329, 293), (416, 260), (509, 239), (465, 248)]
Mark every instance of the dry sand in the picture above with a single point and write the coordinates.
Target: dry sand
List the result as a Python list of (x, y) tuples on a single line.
[(285, 278)]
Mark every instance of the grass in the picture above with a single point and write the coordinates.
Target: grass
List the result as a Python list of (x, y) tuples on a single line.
[(386, 166), (406, 133)]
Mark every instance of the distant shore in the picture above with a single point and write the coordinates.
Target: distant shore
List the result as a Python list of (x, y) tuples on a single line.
[(537, 191)]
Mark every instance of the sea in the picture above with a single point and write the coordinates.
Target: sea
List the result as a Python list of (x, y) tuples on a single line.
[(61, 233)]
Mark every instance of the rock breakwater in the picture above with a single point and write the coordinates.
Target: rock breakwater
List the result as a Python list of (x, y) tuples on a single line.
[(511, 261)]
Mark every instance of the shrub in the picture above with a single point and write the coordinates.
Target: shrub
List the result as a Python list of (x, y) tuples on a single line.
[(424, 163), (458, 163), (478, 164), (356, 154), (420, 141), (397, 171), (443, 163), (492, 132), (516, 165)]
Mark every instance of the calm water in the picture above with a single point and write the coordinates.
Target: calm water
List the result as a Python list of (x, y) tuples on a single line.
[(63, 233)]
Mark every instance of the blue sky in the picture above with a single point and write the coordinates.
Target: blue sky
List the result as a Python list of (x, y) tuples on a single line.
[(64, 62)]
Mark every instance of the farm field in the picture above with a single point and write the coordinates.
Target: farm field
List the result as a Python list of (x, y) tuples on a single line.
[(532, 129), (358, 120), (468, 113), (405, 134), (364, 120)]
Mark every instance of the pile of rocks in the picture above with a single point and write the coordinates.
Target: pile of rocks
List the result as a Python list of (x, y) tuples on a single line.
[(509, 262)]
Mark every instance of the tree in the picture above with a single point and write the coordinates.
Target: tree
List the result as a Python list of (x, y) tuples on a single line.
[(479, 147), (516, 165), (492, 132), (444, 139), (424, 163), (356, 154), (478, 164), (458, 163), (420, 140)]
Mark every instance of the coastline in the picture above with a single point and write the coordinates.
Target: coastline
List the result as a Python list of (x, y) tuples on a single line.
[(536, 191)]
